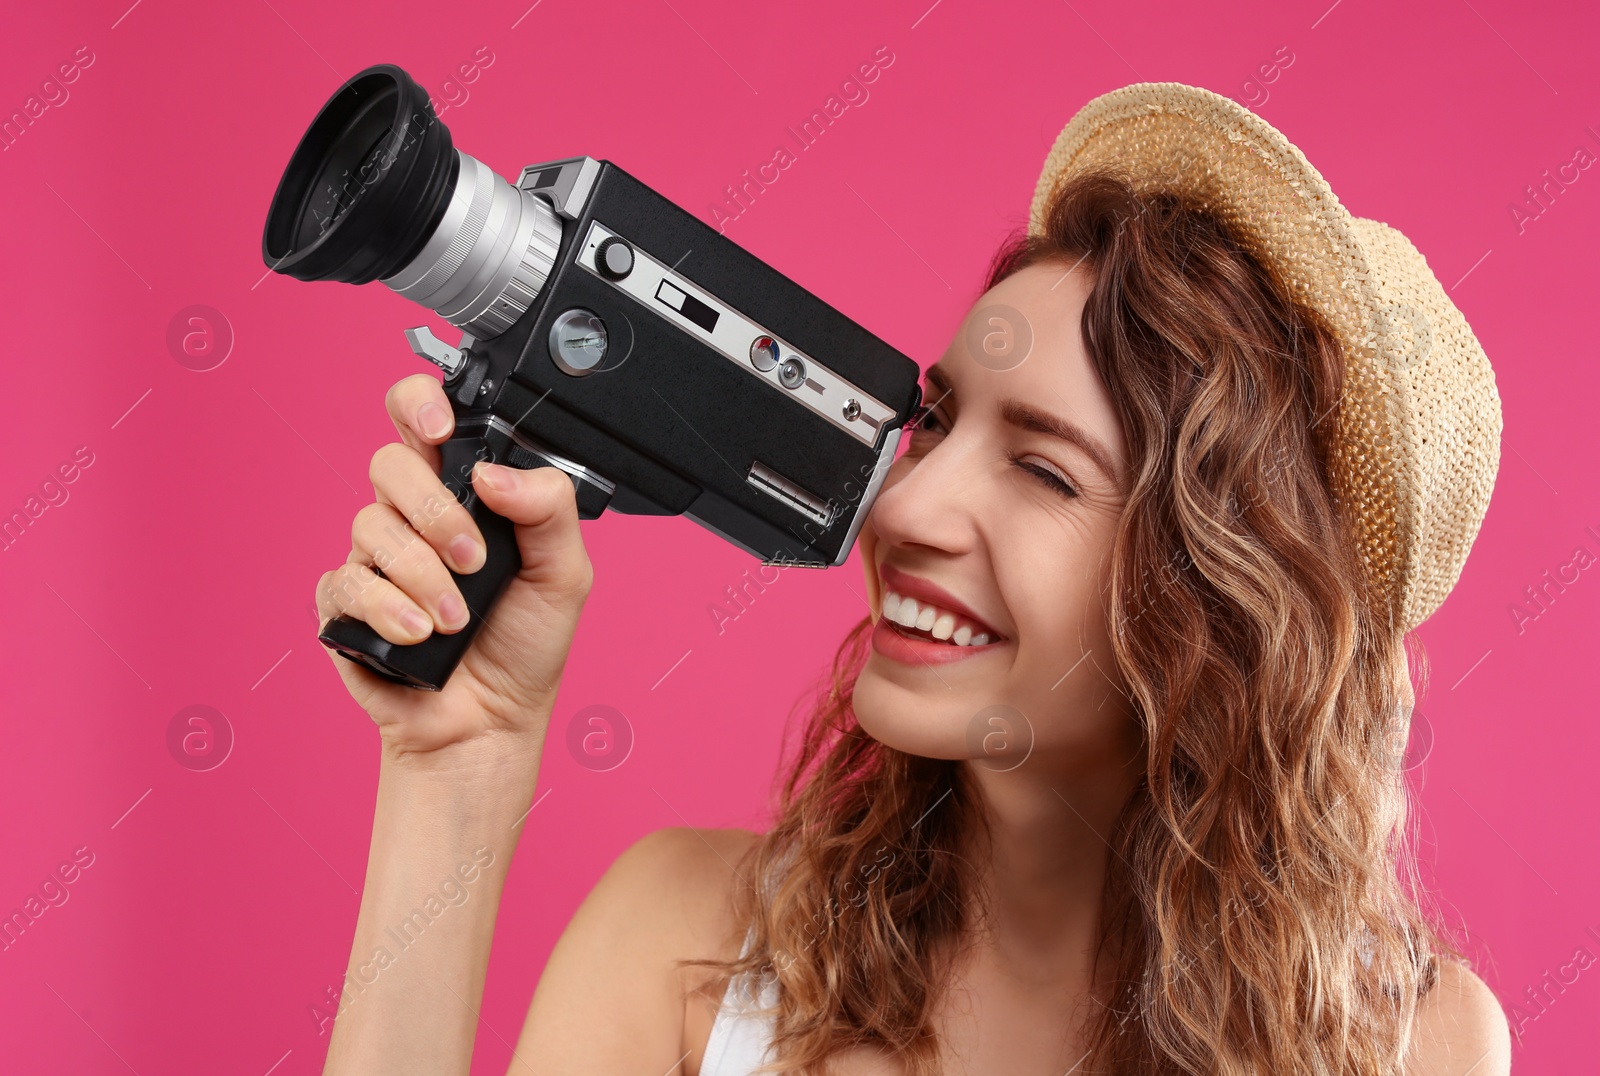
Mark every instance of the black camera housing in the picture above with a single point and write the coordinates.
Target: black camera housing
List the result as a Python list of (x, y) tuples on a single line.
[(662, 367), (677, 426)]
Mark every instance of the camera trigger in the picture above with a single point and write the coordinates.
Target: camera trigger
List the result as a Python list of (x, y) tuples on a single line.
[(435, 350)]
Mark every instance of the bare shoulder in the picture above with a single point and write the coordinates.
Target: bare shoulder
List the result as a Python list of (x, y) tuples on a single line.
[(667, 897), (697, 862), (679, 884), (1460, 1028)]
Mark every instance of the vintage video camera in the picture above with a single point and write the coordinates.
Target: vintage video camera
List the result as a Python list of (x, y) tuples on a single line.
[(606, 332)]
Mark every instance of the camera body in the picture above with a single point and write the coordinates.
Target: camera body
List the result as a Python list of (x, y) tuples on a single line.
[(720, 389), (606, 332)]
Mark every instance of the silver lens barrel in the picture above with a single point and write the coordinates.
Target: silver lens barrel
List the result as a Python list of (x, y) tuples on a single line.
[(489, 256)]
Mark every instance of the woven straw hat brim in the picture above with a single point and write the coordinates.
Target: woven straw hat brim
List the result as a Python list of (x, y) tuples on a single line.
[(1419, 423)]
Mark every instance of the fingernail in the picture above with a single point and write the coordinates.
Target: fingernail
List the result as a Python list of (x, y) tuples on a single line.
[(433, 420), (416, 622), (466, 552), (497, 477), (452, 610)]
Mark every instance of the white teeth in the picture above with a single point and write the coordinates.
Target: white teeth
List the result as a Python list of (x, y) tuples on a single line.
[(925, 616), (907, 614)]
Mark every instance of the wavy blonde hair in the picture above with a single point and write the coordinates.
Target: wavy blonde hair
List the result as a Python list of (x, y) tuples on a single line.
[(1260, 912)]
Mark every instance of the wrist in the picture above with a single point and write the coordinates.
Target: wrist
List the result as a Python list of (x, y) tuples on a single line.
[(463, 796), (495, 760)]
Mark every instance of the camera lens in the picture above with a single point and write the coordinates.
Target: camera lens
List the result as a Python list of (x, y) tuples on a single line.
[(376, 191), (366, 186)]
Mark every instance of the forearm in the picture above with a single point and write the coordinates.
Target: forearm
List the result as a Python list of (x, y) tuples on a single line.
[(443, 833)]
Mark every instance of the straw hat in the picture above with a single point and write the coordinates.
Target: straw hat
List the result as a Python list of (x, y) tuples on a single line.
[(1419, 422)]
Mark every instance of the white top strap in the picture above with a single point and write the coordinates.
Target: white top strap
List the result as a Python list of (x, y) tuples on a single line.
[(741, 1037)]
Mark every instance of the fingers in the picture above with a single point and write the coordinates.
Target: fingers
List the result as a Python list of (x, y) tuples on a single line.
[(543, 504), (415, 596), (421, 414), (356, 589), (403, 479), (380, 535)]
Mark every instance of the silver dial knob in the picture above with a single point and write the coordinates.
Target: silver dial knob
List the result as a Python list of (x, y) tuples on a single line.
[(792, 373)]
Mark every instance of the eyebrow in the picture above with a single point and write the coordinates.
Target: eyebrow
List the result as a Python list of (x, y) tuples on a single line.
[(1024, 417)]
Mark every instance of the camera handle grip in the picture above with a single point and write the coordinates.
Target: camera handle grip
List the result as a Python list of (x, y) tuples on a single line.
[(428, 664)]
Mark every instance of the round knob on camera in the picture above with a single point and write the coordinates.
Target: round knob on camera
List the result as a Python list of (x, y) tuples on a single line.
[(791, 373), (764, 353), (578, 341), (613, 258)]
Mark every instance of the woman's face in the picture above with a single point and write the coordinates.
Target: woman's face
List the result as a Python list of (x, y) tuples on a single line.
[(1004, 529)]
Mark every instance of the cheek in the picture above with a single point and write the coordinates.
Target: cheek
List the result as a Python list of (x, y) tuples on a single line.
[(1050, 567), (1064, 660), (867, 550), (1057, 651), (1062, 617), (867, 540)]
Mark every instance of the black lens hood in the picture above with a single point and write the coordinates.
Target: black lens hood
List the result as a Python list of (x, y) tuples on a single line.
[(366, 186)]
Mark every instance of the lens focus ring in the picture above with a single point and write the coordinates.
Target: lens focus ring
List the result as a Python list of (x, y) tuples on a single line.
[(424, 278), (489, 256)]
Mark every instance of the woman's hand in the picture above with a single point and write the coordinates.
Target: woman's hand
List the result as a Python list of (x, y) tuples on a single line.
[(507, 680)]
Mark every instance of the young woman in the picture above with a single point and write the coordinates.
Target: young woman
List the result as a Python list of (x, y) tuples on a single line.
[(1107, 781)]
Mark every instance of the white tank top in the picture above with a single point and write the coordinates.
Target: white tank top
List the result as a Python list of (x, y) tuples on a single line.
[(741, 1035)]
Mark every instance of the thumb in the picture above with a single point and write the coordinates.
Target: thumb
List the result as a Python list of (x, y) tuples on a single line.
[(543, 505)]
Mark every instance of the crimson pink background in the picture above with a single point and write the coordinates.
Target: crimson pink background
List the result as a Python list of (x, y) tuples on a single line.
[(220, 904)]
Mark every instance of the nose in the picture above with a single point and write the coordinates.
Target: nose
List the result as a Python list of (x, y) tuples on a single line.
[(931, 501)]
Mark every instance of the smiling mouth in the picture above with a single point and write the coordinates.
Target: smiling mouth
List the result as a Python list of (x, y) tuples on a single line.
[(927, 622)]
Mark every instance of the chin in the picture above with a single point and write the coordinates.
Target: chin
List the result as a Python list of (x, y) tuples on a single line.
[(910, 721)]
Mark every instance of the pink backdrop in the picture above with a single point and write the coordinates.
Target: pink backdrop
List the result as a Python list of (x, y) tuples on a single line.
[(175, 569)]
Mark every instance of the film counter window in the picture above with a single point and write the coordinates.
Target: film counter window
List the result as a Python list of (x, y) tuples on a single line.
[(701, 314)]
